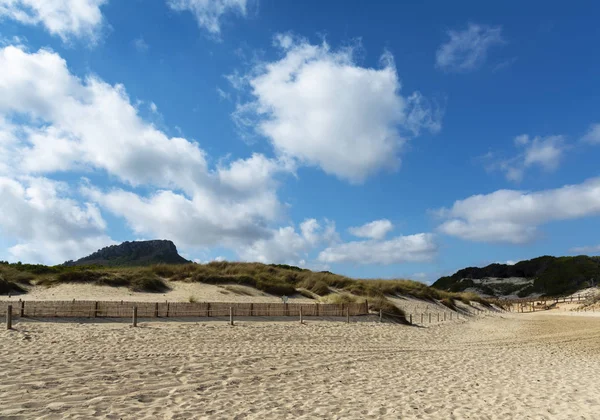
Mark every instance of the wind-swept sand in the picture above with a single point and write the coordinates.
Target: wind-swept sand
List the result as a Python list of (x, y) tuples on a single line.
[(511, 366)]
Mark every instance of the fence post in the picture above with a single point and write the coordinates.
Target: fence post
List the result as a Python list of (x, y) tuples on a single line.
[(22, 313), (348, 315), (366, 306), (252, 309), (410, 321), (444, 316), (450, 316), (430, 317), (95, 309), (380, 316), (167, 309), (156, 310), (135, 316), (230, 315), (438, 316), (421, 318), (208, 309), (301, 315), (9, 317)]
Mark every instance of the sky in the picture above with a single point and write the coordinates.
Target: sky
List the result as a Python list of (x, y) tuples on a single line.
[(372, 139)]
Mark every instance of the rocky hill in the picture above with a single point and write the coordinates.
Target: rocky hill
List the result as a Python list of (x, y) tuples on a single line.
[(545, 275), (136, 253)]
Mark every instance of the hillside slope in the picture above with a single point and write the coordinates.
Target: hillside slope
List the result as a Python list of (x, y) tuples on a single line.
[(136, 253), (545, 275)]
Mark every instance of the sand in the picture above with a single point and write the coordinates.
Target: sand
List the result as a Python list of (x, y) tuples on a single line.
[(180, 292), (524, 366)]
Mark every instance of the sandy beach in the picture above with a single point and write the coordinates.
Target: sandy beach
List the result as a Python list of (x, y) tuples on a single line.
[(526, 366)]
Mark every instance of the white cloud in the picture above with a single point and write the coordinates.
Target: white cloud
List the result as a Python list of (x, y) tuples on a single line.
[(466, 50), (64, 18), (49, 226), (52, 121), (402, 249), (140, 45), (544, 152), (593, 134), (208, 13), (289, 246), (595, 249), (376, 229), (318, 106), (514, 216)]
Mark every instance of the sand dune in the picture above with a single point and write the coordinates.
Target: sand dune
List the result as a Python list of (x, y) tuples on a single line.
[(498, 367), (180, 292)]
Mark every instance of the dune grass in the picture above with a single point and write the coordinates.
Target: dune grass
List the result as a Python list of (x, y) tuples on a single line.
[(136, 279), (273, 279)]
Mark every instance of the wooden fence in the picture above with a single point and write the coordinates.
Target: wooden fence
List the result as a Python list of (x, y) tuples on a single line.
[(121, 309), (561, 299)]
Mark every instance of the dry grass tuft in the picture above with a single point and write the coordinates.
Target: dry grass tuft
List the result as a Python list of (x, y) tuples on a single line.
[(340, 298)]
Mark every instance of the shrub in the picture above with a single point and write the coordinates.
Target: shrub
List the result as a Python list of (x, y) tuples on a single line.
[(148, 283), (526, 291), (13, 275), (275, 288), (8, 287), (389, 310), (316, 286), (449, 303)]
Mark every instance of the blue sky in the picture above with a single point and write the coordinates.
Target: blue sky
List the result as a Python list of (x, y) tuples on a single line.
[(374, 139)]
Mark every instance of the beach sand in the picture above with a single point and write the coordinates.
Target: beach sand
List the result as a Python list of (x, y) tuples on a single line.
[(522, 366)]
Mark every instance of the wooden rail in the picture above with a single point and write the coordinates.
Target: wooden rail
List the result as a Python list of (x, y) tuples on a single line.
[(122, 309)]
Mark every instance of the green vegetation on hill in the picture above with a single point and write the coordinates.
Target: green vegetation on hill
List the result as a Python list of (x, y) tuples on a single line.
[(135, 253), (551, 276), (274, 279)]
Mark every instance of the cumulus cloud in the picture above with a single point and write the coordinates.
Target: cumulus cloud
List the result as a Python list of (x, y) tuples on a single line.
[(52, 121), (49, 226), (208, 13), (467, 50), (420, 247), (289, 246), (543, 152), (319, 106), (376, 229), (593, 134), (514, 216), (64, 18)]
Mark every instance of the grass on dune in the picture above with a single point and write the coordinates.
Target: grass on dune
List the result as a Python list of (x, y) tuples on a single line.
[(136, 279), (273, 279)]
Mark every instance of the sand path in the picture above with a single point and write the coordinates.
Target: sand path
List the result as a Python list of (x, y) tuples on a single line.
[(526, 366)]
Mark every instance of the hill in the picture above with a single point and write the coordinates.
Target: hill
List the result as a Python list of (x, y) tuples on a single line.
[(136, 253), (545, 275)]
